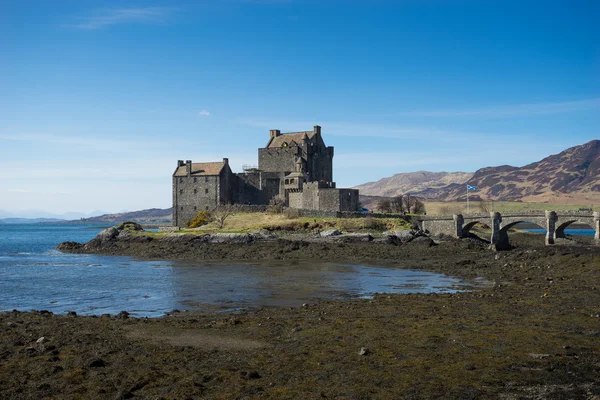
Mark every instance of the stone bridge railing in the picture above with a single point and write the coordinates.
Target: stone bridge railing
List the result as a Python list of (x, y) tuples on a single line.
[(555, 223)]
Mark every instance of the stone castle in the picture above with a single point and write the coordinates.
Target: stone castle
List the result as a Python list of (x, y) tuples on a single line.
[(296, 167)]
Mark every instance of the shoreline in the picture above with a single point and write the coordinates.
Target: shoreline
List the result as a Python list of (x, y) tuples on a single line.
[(532, 334)]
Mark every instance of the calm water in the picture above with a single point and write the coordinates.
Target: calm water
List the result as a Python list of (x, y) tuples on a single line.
[(34, 276)]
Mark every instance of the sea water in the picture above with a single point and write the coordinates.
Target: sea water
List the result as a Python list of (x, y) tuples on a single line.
[(35, 276)]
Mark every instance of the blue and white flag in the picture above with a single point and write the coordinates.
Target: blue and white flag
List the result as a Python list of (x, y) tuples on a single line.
[(469, 187)]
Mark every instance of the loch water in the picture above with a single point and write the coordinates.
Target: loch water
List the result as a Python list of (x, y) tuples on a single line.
[(35, 276)]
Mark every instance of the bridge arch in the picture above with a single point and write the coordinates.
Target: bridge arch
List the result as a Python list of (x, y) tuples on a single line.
[(560, 229), (507, 227), (467, 228)]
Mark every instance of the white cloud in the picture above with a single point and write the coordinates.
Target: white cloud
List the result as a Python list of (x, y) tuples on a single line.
[(100, 19), (204, 113), (17, 190), (511, 110)]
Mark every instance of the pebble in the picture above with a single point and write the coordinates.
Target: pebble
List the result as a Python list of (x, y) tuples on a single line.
[(364, 351)]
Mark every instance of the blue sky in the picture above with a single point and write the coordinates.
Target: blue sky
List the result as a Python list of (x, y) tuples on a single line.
[(99, 99)]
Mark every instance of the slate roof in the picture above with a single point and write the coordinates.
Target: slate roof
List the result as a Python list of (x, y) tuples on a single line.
[(289, 137), (202, 169)]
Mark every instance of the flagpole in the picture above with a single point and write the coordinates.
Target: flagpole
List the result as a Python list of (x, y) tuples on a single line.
[(468, 209)]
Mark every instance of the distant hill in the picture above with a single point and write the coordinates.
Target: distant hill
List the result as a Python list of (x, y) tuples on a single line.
[(149, 216), (570, 177), (412, 182), (28, 220)]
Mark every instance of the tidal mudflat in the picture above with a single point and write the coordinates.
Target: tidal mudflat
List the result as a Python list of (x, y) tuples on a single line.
[(532, 333)]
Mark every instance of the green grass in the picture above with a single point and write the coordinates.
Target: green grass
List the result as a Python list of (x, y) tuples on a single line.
[(249, 222), (478, 207)]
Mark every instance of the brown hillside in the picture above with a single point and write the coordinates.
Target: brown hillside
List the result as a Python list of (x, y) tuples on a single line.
[(573, 173)]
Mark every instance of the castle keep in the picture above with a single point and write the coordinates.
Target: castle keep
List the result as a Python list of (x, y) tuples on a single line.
[(296, 166)]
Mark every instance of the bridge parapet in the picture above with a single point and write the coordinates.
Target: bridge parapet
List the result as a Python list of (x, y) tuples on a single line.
[(554, 222)]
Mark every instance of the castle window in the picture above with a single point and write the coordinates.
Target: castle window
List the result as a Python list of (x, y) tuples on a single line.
[(195, 180), (181, 208), (180, 180), (206, 208), (284, 144), (195, 208), (195, 191), (180, 191), (205, 191), (206, 179)]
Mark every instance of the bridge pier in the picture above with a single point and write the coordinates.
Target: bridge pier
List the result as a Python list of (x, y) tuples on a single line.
[(458, 225), (499, 239), (551, 219)]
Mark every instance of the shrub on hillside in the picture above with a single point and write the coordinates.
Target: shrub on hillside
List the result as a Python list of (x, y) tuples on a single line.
[(276, 205), (202, 218), (291, 213)]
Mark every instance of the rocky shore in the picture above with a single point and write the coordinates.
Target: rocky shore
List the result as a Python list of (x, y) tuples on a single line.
[(534, 333)]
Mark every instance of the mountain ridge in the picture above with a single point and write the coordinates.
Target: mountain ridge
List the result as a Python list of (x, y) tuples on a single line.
[(570, 176)]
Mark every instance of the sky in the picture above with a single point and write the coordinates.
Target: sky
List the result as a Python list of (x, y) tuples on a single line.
[(99, 99)]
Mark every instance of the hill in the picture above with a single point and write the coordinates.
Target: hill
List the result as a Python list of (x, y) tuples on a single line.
[(149, 216), (411, 182), (570, 177), (29, 220)]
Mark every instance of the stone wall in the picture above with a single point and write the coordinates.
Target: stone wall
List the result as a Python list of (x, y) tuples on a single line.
[(278, 159), (193, 194)]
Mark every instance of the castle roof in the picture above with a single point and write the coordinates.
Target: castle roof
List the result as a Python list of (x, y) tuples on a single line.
[(297, 137), (202, 169)]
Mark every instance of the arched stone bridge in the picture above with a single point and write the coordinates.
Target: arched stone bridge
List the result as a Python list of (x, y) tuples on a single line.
[(555, 223)]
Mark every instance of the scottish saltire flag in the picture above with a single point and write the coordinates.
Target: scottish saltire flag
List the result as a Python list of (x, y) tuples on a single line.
[(469, 187)]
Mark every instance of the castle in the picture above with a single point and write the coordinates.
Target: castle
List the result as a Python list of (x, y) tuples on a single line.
[(296, 166)]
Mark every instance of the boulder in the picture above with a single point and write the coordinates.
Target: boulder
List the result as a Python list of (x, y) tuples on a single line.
[(423, 240), (229, 238), (130, 226), (354, 238), (69, 246), (108, 234), (330, 232), (263, 234)]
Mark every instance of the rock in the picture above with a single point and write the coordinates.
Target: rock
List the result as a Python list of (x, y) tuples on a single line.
[(71, 313), (354, 238), (108, 234), (364, 351), (97, 363), (250, 375), (230, 238), (130, 226), (123, 315), (330, 232), (404, 235), (179, 238), (423, 240), (263, 234), (41, 340), (69, 246), (11, 324)]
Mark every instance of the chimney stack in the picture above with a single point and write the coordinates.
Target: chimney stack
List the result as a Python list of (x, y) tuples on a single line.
[(180, 163), (274, 133), (317, 129), (188, 168), (226, 161)]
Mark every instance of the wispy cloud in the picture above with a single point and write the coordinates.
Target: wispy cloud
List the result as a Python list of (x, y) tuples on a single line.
[(103, 18), (511, 110), (204, 113)]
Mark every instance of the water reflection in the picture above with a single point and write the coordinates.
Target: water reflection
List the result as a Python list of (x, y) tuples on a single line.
[(90, 284)]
